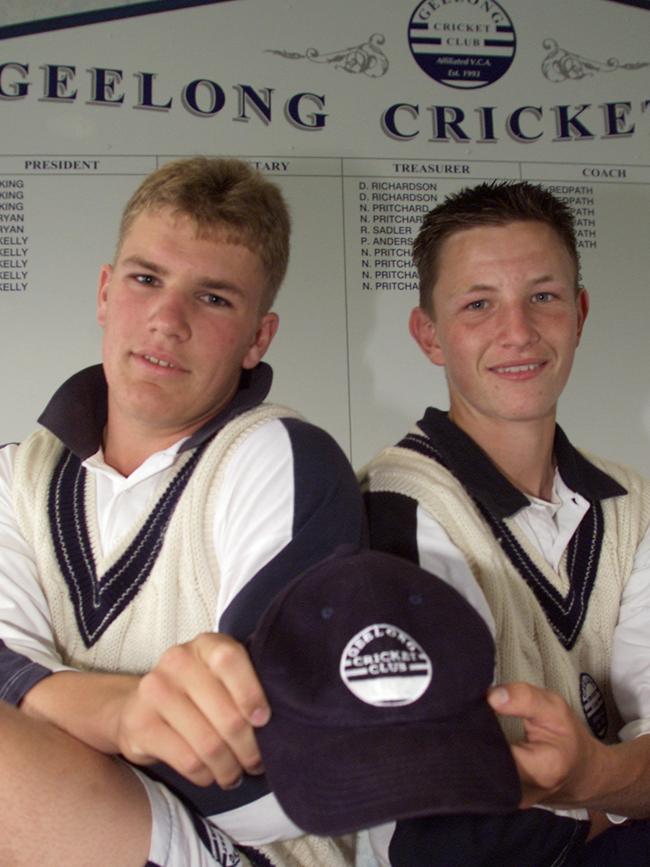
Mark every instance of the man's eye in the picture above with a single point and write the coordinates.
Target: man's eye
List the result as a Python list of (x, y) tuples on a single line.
[(481, 304), (215, 300), (145, 279), (542, 297)]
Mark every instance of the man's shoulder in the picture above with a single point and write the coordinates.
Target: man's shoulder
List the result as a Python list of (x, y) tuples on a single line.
[(617, 470), (40, 446), (7, 458), (310, 437), (412, 468), (416, 441), (269, 422), (278, 436)]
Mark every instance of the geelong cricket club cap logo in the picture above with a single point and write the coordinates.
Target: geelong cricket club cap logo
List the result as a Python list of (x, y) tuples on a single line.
[(465, 43), (383, 666)]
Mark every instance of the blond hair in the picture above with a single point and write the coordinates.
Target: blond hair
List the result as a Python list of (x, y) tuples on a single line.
[(225, 197)]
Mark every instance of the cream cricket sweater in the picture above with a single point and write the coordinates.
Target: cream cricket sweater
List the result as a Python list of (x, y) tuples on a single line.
[(549, 631), (118, 611)]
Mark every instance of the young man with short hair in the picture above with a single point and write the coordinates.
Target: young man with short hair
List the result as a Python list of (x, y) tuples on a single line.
[(143, 531), (552, 544)]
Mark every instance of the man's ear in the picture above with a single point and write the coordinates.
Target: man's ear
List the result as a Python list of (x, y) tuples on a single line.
[(105, 274), (423, 330), (582, 303), (264, 335)]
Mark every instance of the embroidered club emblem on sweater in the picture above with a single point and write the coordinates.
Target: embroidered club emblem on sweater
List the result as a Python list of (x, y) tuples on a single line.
[(593, 705)]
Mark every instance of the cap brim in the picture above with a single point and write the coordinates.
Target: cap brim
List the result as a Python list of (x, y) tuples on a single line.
[(335, 781)]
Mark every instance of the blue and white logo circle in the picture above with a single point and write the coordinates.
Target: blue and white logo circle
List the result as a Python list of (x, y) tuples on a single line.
[(464, 43), (384, 666)]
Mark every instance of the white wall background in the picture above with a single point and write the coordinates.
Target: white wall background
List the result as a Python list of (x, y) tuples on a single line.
[(343, 355)]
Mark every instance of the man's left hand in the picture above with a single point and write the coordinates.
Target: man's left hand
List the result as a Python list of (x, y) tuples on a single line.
[(559, 761)]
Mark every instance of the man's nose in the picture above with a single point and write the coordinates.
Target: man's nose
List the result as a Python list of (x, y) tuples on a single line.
[(517, 325), (169, 317)]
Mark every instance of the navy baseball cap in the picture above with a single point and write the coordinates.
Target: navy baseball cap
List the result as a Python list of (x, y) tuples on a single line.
[(377, 672)]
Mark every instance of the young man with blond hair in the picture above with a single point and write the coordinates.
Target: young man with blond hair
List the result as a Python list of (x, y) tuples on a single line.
[(551, 543), (143, 531)]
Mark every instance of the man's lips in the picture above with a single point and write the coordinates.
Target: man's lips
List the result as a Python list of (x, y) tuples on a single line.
[(520, 369), (161, 361)]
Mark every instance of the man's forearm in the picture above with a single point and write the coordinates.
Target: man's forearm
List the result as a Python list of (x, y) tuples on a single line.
[(620, 781), (87, 705), (561, 764), (196, 710)]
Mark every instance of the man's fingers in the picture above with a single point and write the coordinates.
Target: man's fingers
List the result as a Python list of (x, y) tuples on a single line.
[(229, 661), (537, 707), (223, 693), (540, 769), (516, 699), (235, 741), (193, 745), (558, 753), (196, 710), (174, 751)]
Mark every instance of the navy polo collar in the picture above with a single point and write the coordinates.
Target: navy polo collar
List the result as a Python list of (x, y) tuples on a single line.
[(483, 481), (77, 412)]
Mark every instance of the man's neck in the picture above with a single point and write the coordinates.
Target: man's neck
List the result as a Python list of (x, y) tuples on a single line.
[(125, 452), (521, 450)]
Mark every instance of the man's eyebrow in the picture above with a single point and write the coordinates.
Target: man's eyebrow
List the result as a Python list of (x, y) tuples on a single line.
[(209, 283), (479, 287), (145, 264), (487, 287), (220, 285)]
